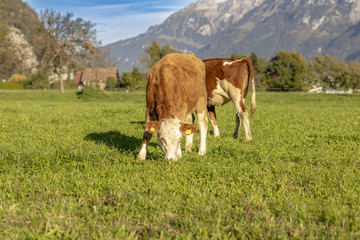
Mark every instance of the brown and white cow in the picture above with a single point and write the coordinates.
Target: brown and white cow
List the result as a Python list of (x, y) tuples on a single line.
[(175, 89), (227, 79)]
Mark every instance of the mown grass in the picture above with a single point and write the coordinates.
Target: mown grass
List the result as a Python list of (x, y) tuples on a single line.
[(68, 171)]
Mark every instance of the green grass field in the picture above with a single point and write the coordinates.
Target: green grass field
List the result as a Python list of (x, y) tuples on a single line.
[(68, 171)]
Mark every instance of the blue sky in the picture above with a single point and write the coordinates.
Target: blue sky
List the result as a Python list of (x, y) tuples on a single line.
[(115, 19)]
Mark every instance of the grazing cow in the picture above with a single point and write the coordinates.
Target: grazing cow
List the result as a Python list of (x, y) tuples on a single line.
[(227, 79), (175, 89)]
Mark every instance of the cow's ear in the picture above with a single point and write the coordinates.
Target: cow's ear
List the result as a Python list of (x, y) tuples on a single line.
[(188, 129), (152, 126)]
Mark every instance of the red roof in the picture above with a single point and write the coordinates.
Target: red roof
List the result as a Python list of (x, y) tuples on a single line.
[(101, 74)]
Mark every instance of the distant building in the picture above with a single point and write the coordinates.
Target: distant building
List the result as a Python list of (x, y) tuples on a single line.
[(96, 77)]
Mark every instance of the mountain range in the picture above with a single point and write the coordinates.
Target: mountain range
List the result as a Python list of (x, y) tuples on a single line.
[(218, 29)]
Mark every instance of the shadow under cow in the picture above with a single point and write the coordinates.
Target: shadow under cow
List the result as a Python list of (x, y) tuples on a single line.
[(117, 140), (142, 123)]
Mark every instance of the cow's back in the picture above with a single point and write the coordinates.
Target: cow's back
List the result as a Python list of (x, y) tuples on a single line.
[(233, 70), (175, 84)]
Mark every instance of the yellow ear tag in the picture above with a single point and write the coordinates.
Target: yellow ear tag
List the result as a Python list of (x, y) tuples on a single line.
[(152, 129), (188, 132)]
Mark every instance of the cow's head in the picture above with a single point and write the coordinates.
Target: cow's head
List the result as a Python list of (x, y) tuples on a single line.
[(169, 134)]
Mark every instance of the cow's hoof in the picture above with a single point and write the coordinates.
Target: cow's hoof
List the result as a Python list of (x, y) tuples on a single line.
[(188, 148), (202, 153), (141, 157)]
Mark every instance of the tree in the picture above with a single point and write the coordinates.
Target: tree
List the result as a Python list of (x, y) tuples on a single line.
[(325, 67), (134, 79), (334, 73), (66, 45), (39, 80), (354, 69), (111, 82), (346, 75), (287, 71), (155, 53), (260, 64)]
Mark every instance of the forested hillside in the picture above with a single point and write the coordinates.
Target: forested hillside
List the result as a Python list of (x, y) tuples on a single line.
[(18, 14), (18, 24)]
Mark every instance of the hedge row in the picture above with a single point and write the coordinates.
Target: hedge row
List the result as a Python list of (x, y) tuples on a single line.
[(11, 86)]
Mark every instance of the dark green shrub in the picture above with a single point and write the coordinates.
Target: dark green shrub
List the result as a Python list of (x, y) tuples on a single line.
[(111, 83), (134, 79), (39, 80), (89, 93), (287, 71)]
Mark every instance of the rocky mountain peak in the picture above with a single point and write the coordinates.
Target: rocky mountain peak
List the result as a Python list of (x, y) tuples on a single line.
[(202, 5), (355, 10), (211, 28)]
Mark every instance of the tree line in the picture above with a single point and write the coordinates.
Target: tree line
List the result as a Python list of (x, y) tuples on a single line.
[(287, 71)]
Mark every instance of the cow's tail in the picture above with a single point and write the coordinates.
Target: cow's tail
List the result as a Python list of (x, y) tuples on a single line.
[(252, 80), (253, 102)]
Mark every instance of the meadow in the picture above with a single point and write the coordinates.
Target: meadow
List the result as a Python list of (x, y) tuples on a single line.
[(68, 170)]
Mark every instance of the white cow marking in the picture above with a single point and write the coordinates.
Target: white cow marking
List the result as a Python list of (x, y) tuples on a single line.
[(230, 63), (169, 137), (223, 92)]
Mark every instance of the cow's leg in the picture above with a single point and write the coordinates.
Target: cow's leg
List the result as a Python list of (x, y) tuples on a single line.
[(245, 118), (238, 123), (241, 115), (203, 123), (146, 139), (189, 137), (146, 136), (212, 117)]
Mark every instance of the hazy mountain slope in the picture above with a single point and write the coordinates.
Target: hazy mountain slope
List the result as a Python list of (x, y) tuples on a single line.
[(309, 27), (210, 29), (187, 30)]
